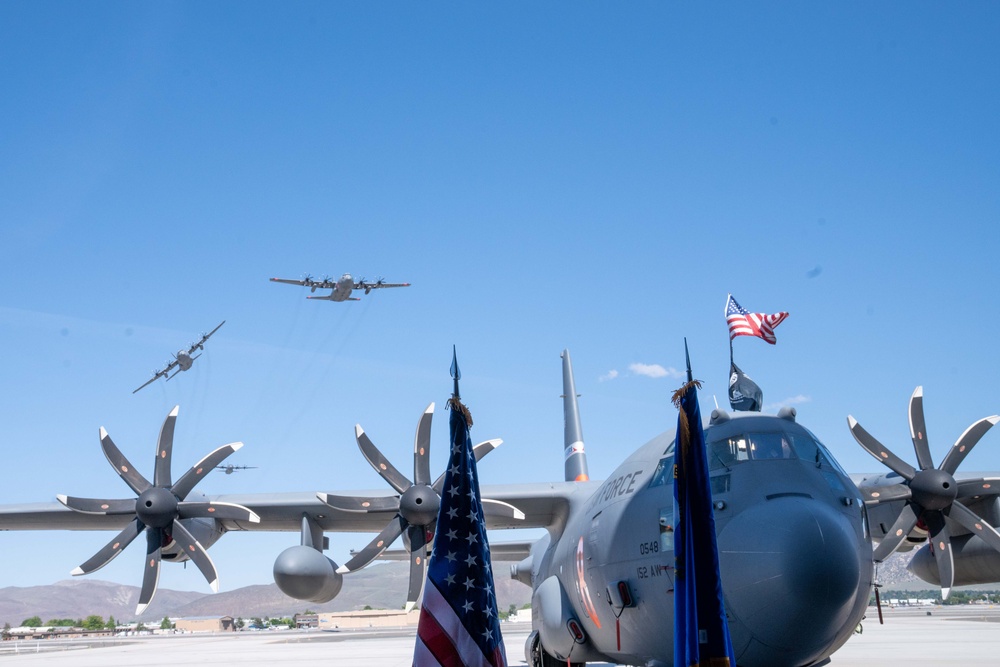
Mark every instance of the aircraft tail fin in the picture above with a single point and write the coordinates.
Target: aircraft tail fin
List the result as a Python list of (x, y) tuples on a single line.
[(576, 457)]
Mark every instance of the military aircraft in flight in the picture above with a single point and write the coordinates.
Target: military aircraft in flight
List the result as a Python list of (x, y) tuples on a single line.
[(183, 360), (342, 287), (795, 533), (229, 469)]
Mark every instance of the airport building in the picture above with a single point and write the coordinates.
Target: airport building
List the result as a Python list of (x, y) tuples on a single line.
[(369, 618), (205, 624)]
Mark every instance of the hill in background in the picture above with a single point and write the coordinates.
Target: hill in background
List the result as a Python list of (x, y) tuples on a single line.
[(380, 586)]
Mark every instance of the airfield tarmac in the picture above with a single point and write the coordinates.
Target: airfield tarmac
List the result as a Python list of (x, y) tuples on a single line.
[(947, 637)]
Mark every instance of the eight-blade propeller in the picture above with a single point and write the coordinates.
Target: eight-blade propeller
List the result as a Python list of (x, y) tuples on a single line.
[(416, 506), (930, 493), (159, 510)]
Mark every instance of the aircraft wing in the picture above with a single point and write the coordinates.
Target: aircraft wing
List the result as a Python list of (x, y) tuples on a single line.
[(204, 338), (56, 516), (318, 284), (542, 504), (158, 374), (499, 551), (378, 284)]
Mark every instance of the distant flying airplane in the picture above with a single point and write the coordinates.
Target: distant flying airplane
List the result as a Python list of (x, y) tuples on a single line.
[(230, 469), (342, 287), (795, 532), (182, 360)]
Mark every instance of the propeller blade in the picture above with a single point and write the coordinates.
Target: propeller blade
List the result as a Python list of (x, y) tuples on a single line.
[(905, 522), (164, 450), (966, 442), (375, 547), (941, 544), (111, 549), (885, 494), (918, 430), (973, 522), (122, 465), (360, 504), (479, 451), (422, 448), (418, 564), (151, 570), (381, 464), (196, 553), (880, 451), (202, 468), (97, 505), (986, 486), (217, 510), (500, 509)]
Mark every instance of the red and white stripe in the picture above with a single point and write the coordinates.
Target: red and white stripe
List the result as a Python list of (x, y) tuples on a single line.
[(442, 638), (755, 324)]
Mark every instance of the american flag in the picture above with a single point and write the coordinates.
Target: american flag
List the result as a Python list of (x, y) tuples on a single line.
[(458, 618), (742, 323)]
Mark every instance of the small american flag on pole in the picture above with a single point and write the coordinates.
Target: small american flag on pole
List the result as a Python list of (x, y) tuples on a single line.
[(742, 323), (458, 624)]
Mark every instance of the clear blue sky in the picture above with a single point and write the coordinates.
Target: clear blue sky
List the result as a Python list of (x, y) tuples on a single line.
[(591, 176)]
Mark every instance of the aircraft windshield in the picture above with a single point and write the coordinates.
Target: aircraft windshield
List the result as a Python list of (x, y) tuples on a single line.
[(664, 470), (766, 445)]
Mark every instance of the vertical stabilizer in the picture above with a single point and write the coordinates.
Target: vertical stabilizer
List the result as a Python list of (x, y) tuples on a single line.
[(576, 458)]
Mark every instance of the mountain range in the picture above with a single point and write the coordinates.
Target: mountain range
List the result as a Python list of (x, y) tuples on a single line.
[(379, 586)]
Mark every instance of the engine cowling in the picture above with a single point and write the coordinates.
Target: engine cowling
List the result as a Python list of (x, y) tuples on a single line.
[(975, 562), (304, 573)]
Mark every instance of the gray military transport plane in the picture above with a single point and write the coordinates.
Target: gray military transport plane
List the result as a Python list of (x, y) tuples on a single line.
[(183, 359), (795, 533), (342, 288)]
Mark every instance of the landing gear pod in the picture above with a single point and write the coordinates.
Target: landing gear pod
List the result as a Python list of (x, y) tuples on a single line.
[(559, 630)]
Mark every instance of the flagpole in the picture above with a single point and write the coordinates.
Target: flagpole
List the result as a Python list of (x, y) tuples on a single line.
[(459, 620), (699, 606), (687, 358)]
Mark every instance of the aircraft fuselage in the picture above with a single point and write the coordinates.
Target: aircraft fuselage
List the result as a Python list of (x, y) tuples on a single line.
[(184, 360), (795, 556), (342, 290)]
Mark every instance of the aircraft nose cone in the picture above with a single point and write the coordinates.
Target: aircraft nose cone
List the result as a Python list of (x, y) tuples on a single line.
[(791, 569)]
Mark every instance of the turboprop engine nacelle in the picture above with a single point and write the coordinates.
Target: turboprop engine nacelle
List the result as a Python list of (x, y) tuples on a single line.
[(304, 573)]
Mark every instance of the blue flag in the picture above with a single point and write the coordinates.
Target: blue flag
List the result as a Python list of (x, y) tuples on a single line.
[(701, 633), (458, 618)]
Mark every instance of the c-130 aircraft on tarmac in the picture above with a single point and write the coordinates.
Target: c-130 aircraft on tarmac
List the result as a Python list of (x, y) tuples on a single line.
[(795, 533)]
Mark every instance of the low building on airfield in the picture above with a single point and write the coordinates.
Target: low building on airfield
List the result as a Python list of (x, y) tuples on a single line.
[(205, 624), (368, 618)]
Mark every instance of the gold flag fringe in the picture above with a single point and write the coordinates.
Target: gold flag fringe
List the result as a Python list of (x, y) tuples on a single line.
[(455, 404), (684, 434)]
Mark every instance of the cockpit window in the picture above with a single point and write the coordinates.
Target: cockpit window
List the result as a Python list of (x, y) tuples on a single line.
[(664, 473), (811, 449), (725, 453), (771, 446), (750, 446)]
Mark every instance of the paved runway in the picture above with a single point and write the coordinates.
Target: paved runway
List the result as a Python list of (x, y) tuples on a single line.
[(947, 637)]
